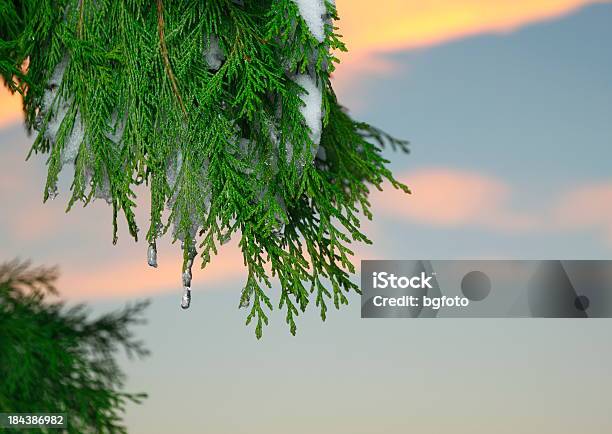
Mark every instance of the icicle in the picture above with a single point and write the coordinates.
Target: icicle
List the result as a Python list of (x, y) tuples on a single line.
[(173, 171), (186, 300), (152, 255)]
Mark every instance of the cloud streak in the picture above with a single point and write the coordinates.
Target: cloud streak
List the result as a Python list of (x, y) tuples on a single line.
[(586, 207), (126, 277), (400, 24), (452, 198), (372, 29)]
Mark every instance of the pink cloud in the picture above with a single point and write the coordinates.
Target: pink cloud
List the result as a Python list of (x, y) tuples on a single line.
[(35, 220), (586, 207), (130, 276), (454, 198)]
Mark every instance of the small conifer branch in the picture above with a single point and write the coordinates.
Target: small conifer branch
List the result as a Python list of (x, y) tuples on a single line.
[(75, 354), (164, 52)]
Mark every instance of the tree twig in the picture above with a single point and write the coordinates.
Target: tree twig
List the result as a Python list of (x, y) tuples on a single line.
[(164, 52), (81, 19)]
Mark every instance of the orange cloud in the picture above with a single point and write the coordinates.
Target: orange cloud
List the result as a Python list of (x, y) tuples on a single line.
[(134, 278), (10, 107), (371, 28), (402, 24), (454, 198)]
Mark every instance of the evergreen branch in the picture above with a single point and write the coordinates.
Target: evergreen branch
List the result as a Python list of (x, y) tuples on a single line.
[(56, 359), (19, 275), (201, 102)]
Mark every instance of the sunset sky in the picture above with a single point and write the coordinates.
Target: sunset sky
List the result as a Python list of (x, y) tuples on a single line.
[(508, 106)]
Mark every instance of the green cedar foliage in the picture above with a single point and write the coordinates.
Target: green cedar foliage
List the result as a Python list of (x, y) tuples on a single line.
[(56, 360), (142, 62)]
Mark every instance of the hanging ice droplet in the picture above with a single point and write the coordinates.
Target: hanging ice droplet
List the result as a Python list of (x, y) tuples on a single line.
[(186, 300), (152, 255)]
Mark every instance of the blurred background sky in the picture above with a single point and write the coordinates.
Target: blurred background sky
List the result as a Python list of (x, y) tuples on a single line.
[(508, 106)]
